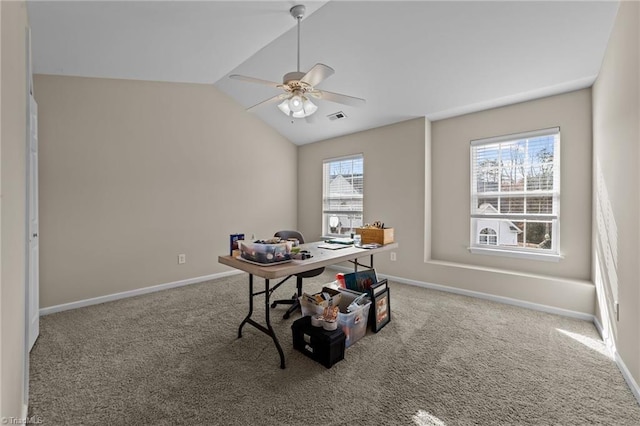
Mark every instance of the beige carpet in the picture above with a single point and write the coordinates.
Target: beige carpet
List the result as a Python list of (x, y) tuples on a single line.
[(172, 358)]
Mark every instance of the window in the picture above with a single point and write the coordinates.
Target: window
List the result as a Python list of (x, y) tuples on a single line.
[(515, 194), (489, 237), (342, 195)]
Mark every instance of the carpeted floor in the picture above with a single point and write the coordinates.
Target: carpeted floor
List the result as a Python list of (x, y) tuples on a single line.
[(172, 357)]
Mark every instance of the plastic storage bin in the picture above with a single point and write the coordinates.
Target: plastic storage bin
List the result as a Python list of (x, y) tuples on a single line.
[(353, 324), (265, 253)]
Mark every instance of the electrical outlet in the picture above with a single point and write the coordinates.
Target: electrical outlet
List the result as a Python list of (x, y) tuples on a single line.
[(182, 258), (393, 256)]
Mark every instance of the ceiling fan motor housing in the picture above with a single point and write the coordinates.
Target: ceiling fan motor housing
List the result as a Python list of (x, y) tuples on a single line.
[(292, 82)]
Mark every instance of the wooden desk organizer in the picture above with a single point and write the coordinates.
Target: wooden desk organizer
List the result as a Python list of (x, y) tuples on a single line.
[(375, 235)]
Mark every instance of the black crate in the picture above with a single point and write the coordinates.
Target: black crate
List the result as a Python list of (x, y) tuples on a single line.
[(326, 347)]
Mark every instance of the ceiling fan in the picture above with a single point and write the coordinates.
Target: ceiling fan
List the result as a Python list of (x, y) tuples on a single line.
[(299, 86)]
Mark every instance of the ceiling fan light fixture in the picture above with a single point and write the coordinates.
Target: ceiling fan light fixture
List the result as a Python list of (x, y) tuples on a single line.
[(303, 107), (295, 103), (308, 107), (284, 107)]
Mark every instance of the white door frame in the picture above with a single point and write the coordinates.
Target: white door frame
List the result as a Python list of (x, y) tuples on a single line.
[(33, 239), (31, 283)]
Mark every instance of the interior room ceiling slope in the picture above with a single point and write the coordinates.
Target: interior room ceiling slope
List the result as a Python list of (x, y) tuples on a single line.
[(407, 59), (176, 41)]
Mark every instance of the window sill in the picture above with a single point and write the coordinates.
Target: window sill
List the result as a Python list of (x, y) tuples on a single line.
[(517, 254)]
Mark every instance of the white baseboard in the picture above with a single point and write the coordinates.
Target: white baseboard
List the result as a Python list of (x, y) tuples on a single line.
[(25, 413), (598, 327), (131, 293), (479, 295), (635, 389), (610, 344)]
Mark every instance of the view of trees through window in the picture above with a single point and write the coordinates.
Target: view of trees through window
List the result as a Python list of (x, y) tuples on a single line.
[(516, 186), (342, 200)]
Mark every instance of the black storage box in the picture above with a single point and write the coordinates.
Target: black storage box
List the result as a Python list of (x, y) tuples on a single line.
[(326, 347)]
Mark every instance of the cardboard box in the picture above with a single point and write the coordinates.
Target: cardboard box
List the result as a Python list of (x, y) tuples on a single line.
[(315, 302), (375, 235)]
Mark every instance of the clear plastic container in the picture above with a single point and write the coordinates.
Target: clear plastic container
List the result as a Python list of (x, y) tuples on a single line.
[(353, 324)]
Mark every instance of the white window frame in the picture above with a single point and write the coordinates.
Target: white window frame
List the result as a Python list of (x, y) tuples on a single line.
[(326, 213), (475, 246)]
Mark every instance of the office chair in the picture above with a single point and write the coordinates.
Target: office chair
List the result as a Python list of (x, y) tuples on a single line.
[(295, 299)]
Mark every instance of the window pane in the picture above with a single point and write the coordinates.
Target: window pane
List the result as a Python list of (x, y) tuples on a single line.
[(342, 224), (512, 205), (500, 232), (513, 165), (537, 235), (487, 205), (343, 190), (539, 179), (514, 182), (540, 205)]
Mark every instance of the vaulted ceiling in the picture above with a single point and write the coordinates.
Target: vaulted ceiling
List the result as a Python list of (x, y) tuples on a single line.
[(407, 59)]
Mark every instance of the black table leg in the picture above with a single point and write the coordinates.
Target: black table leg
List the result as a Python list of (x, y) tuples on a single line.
[(268, 321), (246, 319), (268, 329), (356, 264)]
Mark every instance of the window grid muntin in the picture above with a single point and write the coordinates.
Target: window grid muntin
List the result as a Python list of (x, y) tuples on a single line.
[(544, 200), (348, 204)]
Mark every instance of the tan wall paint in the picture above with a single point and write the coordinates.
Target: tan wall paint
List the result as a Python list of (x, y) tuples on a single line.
[(12, 218), (616, 136), (134, 173), (572, 113), (395, 159)]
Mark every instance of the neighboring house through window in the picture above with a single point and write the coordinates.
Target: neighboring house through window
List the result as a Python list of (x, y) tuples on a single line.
[(515, 194), (488, 236), (342, 195)]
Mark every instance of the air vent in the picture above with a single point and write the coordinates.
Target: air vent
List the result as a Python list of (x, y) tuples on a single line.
[(337, 116)]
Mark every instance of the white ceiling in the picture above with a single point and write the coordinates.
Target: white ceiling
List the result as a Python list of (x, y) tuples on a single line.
[(407, 59)]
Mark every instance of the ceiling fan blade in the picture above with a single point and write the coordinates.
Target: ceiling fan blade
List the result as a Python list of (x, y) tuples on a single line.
[(337, 97), (318, 73), (269, 101), (254, 80)]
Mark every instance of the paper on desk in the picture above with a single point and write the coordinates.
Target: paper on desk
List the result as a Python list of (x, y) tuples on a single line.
[(331, 246)]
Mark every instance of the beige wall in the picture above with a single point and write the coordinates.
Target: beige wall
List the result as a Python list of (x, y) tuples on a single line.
[(134, 173), (450, 211), (12, 215), (395, 159), (616, 137)]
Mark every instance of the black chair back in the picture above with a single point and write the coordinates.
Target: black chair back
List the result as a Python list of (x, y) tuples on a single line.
[(285, 235)]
